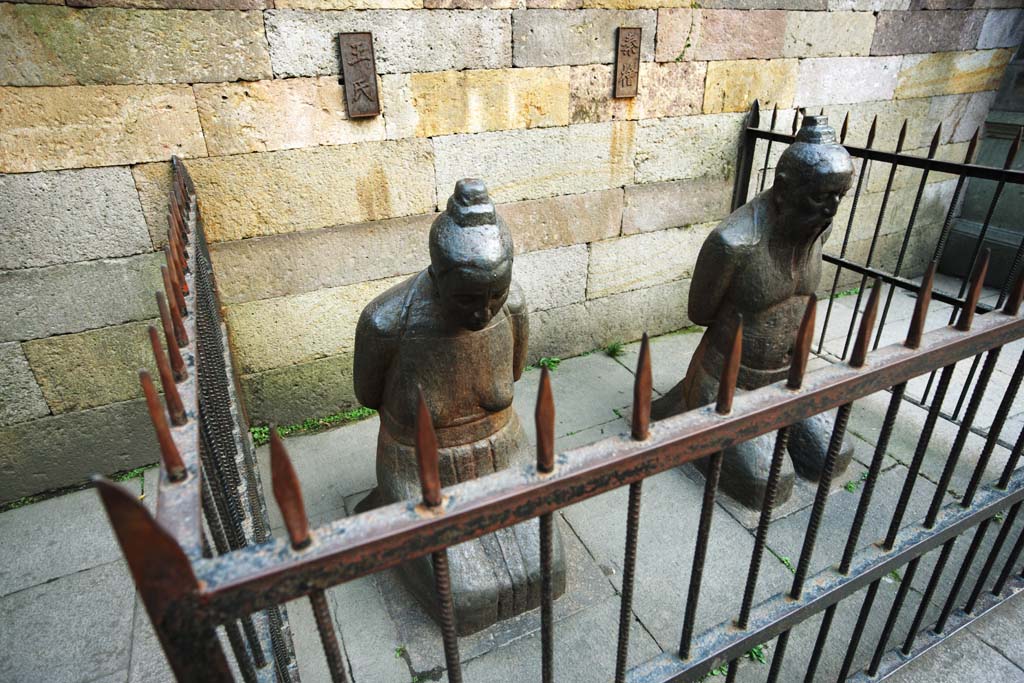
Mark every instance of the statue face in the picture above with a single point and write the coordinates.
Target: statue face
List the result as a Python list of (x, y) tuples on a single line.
[(471, 297), (811, 206)]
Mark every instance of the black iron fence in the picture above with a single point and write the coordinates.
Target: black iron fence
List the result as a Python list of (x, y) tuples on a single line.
[(209, 486)]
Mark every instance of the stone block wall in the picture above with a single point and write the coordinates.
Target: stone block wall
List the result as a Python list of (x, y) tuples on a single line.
[(312, 213)]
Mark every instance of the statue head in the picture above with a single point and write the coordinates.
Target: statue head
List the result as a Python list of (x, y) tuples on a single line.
[(470, 257), (811, 178)]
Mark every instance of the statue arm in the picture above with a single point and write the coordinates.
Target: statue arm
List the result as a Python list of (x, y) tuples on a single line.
[(712, 277), (520, 329), (374, 349)]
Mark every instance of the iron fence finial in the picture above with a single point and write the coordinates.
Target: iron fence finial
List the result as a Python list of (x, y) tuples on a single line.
[(642, 386), (802, 346)]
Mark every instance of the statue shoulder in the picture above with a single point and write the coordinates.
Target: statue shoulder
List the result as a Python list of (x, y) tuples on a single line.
[(382, 318), (740, 230), (516, 301)]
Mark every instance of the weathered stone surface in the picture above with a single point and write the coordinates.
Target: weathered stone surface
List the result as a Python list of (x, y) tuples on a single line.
[(959, 658), (601, 154), (687, 147), (45, 129), (868, 5), (274, 333), (276, 192), (153, 183), (947, 73), (39, 302), (675, 204), (319, 259), (20, 398), (264, 116), (555, 37), (295, 393), (1002, 28), (304, 43), (470, 4), (668, 89), (77, 628), (960, 116), (446, 102), (702, 35), (554, 4), (841, 80), (626, 263), (890, 114), (174, 4), (900, 33), (805, 5), (732, 86), (128, 46), (828, 34), (553, 277), (91, 369), (65, 216), (347, 4), (562, 221), (578, 328), (62, 450)]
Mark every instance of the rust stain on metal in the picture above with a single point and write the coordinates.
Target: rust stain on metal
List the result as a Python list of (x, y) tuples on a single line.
[(359, 71), (642, 387), (426, 454), (974, 293), (802, 346), (288, 493), (924, 298), (730, 370), (544, 417), (175, 407), (867, 324), (627, 62), (169, 455)]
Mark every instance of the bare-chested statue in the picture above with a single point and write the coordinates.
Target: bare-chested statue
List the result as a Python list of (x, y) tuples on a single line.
[(762, 262), (459, 330)]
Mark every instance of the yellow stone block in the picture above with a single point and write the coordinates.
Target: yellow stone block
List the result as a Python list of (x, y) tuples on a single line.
[(277, 192), (447, 102), (43, 129), (949, 73), (731, 86), (263, 116)]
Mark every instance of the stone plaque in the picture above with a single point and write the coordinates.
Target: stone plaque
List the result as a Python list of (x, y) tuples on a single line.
[(359, 70), (627, 62)]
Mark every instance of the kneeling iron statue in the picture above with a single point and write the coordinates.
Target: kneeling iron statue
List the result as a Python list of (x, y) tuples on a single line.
[(457, 331), (762, 263)]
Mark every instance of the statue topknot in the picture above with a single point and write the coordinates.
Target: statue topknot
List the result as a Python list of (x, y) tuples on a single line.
[(469, 233)]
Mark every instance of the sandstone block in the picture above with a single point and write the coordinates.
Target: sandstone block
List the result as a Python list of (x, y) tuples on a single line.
[(556, 37), (40, 302), (841, 80), (732, 86), (553, 277), (91, 369), (109, 46), (675, 204), (554, 4), (868, 5), (276, 192), (347, 4), (275, 333), (1002, 28), (666, 89), (320, 259), (702, 35), (563, 221), (298, 392), (626, 263), (687, 147), (65, 216), (898, 33), (828, 34), (304, 43), (447, 102), (945, 73), (264, 116), (569, 160), (960, 115), (470, 4), (578, 328), (624, 4), (172, 4), (890, 114), (44, 129), (153, 182), (63, 450), (806, 5), (20, 397)]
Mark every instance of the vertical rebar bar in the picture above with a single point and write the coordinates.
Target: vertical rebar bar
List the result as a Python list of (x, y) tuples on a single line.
[(544, 417), (993, 555)]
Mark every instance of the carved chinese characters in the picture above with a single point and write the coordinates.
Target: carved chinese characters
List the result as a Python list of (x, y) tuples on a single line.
[(359, 71), (627, 62)]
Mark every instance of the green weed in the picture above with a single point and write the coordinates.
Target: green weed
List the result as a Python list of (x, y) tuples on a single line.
[(615, 349), (549, 362), (854, 484), (261, 434)]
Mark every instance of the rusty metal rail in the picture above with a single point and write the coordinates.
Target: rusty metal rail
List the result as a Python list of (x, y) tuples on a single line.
[(190, 592)]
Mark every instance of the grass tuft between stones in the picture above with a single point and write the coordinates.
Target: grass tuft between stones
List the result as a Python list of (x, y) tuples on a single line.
[(261, 434)]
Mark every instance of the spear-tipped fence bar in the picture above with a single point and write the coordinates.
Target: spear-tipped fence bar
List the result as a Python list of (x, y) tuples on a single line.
[(189, 593)]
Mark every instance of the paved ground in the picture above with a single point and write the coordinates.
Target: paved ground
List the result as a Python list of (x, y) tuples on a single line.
[(68, 611)]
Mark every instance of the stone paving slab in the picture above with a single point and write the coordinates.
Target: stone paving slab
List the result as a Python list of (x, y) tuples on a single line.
[(74, 628), (1001, 629), (668, 526), (964, 658), (670, 356), (55, 538)]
